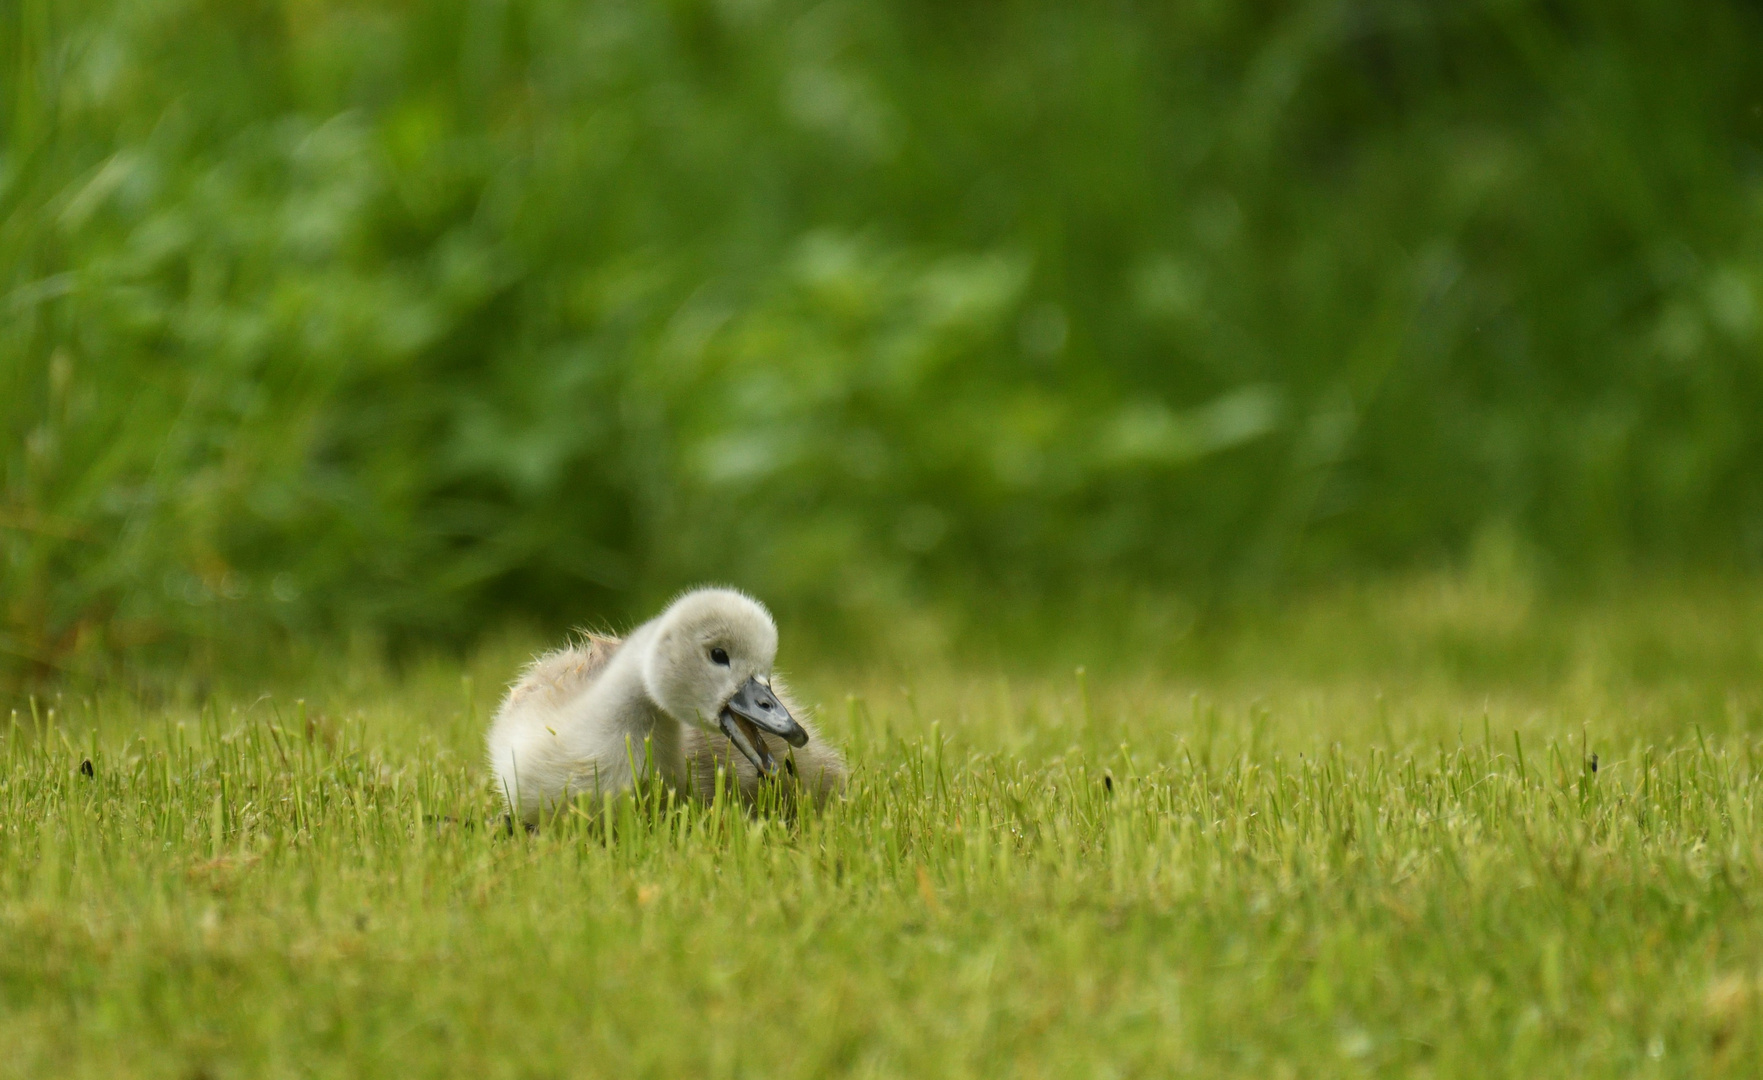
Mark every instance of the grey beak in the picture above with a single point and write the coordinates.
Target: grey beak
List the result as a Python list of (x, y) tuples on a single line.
[(755, 702), (753, 749)]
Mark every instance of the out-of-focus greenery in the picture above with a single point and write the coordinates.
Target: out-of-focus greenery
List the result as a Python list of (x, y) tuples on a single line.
[(417, 316)]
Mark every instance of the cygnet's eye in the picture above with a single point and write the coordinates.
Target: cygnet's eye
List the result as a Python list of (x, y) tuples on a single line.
[(719, 655)]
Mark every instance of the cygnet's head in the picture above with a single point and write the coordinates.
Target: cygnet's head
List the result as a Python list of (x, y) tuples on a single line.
[(712, 651)]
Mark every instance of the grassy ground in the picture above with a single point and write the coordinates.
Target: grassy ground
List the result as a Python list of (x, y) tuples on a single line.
[(1367, 838)]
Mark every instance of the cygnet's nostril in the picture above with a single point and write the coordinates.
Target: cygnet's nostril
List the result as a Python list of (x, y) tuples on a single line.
[(765, 704)]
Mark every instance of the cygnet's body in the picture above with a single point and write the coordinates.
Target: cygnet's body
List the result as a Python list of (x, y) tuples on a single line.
[(663, 698)]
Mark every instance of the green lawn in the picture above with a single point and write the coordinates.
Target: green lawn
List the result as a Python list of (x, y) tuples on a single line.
[(1331, 846)]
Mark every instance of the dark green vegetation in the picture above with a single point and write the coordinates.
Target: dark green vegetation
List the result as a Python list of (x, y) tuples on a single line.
[(1414, 869), (405, 318)]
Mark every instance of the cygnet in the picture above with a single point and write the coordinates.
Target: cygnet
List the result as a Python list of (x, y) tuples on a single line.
[(678, 697)]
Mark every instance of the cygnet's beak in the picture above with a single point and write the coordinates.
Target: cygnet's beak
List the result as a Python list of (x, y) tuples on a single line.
[(748, 741), (754, 706), (754, 701)]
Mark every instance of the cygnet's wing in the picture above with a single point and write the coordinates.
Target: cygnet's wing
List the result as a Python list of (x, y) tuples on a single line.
[(522, 748), (559, 675)]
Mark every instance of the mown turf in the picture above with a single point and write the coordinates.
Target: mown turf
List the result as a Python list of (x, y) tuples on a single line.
[(1243, 875)]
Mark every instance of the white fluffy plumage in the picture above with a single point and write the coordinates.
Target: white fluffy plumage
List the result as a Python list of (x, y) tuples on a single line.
[(580, 717)]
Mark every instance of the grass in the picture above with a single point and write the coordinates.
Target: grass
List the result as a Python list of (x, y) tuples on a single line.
[(1212, 871)]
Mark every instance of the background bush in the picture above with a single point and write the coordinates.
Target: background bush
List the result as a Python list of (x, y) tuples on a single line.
[(414, 317)]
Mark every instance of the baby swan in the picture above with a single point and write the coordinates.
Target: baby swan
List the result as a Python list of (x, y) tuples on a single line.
[(679, 695)]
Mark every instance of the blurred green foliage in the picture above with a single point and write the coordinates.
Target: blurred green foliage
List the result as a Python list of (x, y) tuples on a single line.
[(414, 316)]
